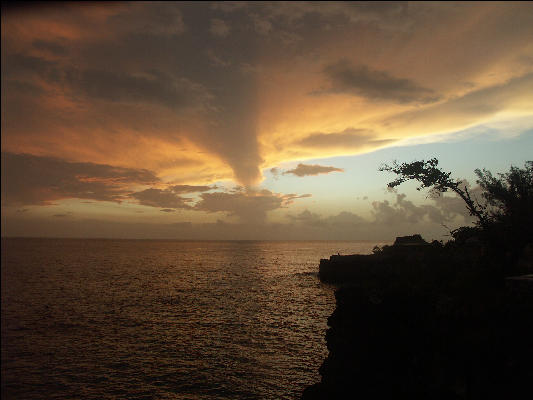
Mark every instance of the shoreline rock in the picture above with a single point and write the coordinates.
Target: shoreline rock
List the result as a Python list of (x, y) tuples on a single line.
[(425, 321)]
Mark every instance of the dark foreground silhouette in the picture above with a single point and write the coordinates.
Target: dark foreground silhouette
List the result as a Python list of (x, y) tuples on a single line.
[(433, 321)]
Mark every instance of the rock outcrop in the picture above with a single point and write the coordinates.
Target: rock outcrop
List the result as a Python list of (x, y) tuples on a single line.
[(425, 321)]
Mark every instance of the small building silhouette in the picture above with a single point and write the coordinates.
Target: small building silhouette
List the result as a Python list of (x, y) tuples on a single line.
[(412, 240)]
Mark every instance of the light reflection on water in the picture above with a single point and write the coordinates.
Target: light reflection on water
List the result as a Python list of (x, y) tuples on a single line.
[(104, 319)]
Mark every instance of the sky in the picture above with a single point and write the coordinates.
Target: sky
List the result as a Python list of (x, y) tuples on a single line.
[(261, 120)]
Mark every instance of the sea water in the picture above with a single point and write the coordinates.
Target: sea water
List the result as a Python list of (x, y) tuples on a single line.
[(153, 319)]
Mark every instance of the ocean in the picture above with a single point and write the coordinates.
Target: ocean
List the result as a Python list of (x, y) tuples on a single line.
[(162, 319)]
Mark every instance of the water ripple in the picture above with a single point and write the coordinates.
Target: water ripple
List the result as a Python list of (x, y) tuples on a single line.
[(108, 319)]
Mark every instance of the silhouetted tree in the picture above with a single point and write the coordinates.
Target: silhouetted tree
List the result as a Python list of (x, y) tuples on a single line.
[(510, 195), (439, 181), (510, 198), (504, 221)]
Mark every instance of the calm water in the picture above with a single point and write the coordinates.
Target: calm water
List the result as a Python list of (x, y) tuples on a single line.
[(109, 319)]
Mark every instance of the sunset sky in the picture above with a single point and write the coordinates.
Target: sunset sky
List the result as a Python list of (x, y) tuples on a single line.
[(255, 120)]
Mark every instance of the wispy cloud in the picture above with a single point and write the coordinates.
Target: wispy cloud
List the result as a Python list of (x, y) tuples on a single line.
[(348, 139), (309, 170), (161, 198), (35, 180), (360, 80)]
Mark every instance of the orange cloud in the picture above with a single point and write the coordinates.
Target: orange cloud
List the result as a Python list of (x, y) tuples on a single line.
[(204, 94)]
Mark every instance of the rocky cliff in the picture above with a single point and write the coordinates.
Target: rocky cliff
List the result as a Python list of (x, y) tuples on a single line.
[(426, 322)]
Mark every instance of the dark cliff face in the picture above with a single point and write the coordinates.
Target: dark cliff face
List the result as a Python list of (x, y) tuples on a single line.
[(432, 323)]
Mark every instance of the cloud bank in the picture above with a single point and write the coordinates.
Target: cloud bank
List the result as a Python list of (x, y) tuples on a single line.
[(372, 84), (230, 84), (34, 180), (407, 218)]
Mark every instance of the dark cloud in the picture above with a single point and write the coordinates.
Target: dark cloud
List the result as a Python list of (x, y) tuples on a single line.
[(54, 48), (248, 205), (25, 66), (159, 19), (349, 138), (116, 85), (404, 211), (29, 179), (360, 80), (141, 56), (307, 217), (23, 87), (306, 170), (161, 198), (296, 15), (452, 206), (190, 188), (152, 87), (343, 219), (219, 27), (168, 210), (346, 218), (130, 67), (275, 172)]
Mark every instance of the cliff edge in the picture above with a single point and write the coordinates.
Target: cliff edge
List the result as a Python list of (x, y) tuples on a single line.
[(426, 321)]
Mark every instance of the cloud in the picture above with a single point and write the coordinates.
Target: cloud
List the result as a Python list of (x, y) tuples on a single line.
[(342, 220), (139, 69), (306, 170), (296, 14), (169, 199), (473, 107), (106, 82), (404, 211), (388, 219), (275, 172), (163, 20), (452, 206), (289, 198), (349, 138), (219, 27), (262, 25), (191, 188), (161, 198), (153, 87), (307, 217), (35, 180), (248, 205), (400, 217), (216, 60), (54, 48), (360, 80)]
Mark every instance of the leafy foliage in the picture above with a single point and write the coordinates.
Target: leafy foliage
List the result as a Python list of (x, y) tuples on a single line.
[(511, 195), (431, 176), (504, 221)]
